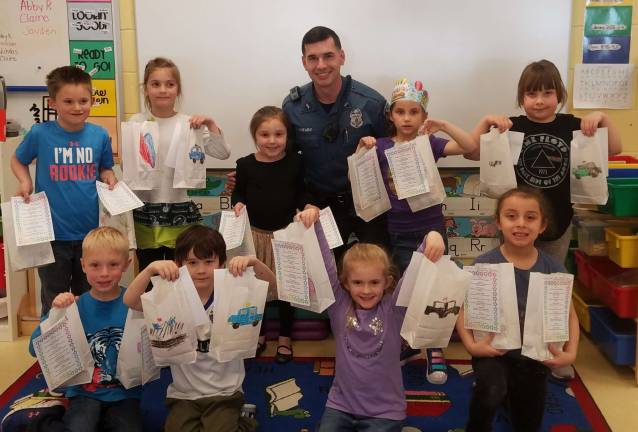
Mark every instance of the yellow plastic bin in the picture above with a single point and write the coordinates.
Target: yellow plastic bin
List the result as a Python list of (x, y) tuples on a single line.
[(583, 302), (622, 244)]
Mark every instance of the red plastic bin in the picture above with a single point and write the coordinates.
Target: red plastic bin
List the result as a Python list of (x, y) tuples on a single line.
[(583, 267), (623, 159), (616, 287)]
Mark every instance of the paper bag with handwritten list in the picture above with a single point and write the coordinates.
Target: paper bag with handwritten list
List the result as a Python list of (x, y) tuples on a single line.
[(62, 349), (135, 363), (300, 267)]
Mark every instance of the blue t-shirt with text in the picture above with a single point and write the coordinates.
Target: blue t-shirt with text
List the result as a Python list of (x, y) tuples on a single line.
[(68, 163)]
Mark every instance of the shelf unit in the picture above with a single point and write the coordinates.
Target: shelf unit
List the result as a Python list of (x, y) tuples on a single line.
[(16, 281)]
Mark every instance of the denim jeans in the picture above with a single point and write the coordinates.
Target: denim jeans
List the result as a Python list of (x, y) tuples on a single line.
[(88, 415), (338, 421), (64, 274), (404, 244)]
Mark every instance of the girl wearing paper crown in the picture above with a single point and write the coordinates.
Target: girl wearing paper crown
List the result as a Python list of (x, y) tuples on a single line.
[(409, 117), (168, 210)]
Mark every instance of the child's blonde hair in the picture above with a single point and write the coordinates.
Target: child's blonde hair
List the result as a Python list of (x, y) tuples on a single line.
[(159, 63), (105, 238), (368, 253)]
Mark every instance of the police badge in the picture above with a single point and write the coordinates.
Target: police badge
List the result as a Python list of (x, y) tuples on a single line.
[(356, 118)]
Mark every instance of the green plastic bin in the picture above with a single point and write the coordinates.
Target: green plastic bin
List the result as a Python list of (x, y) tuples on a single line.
[(623, 197)]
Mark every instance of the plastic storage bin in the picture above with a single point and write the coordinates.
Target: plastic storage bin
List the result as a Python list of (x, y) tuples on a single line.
[(616, 287), (622, 196), (583, 303), (622, 159), (591, 237), (615, 337), (623, 245), (583, 267)]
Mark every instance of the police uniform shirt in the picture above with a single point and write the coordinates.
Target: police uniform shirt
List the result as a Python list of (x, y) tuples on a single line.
[(325, 163)]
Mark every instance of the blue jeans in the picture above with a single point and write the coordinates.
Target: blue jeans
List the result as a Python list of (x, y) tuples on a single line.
[(404, 244), (64, 274), (338, 421), (88, 415)]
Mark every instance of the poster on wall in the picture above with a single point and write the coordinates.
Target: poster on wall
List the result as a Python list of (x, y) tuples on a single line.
[(603, 86), (607, 32), (606, 49), (592, 3)]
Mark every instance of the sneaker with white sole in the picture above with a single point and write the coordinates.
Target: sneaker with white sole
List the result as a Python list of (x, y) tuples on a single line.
[(436, 368)]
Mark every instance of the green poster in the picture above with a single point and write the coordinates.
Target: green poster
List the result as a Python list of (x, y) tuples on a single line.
[(95, 57), (608, 21)]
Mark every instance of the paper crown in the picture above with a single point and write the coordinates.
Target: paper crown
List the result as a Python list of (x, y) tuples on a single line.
[(404, 90)]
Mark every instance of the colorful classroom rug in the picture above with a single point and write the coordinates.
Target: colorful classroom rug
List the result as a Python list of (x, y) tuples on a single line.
[(292, 398)]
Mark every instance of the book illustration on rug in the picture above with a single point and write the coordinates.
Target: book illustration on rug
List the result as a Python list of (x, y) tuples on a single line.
[(284, 399), (244, 316)]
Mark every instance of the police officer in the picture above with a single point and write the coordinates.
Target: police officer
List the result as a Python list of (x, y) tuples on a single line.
[(328, 116)]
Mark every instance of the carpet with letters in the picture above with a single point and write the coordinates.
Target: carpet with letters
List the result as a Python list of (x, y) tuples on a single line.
[(292, 397)]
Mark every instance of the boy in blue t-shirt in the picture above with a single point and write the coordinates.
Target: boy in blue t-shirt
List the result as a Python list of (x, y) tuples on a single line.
[(71, 154), (102, 404)]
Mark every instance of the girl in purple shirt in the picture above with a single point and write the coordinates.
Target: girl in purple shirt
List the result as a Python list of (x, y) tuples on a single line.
[(408, 117), (367, 392)]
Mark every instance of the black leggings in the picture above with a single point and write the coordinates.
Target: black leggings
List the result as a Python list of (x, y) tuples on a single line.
[(286, 315), (512, 380)]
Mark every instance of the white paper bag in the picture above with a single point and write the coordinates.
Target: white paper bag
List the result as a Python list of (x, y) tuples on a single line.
[(368, 194), (437, 294), (140, 155), (236, 243), (186, 155), (496, 168), (62, 349), (588, 173), (548, 298), (238, 313), (508, 337), (436, 195), (135, 363), (23, 257), (320, 289), (173, 314)]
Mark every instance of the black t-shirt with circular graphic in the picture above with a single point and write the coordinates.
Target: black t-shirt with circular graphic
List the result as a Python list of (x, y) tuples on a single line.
[(544, 164)]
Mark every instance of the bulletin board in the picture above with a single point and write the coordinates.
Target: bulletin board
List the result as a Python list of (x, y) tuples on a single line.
[(37, 36)]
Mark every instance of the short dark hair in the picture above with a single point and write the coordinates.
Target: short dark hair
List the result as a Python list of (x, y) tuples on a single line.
[(66, 75), (540, 75), (530, 193), (204, 241), (319, 34)]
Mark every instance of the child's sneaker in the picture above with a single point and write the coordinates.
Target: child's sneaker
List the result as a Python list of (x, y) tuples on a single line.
[(437, 368), (249, 411)]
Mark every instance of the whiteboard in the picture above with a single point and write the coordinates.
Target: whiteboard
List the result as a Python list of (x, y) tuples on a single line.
[(235, 57), (34, 39)]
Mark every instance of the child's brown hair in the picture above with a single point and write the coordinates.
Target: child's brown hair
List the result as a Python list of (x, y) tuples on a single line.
[(267, 113), (527, 192), (159, 63), (540, 75), (204, 241), (63, 75)]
